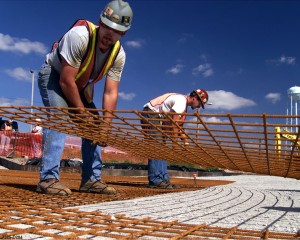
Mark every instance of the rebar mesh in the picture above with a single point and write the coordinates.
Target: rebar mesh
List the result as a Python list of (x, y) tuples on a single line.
[(241, 142), (26, 214)]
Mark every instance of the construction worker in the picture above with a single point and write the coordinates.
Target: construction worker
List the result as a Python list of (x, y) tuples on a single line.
[(158, 175), (6, 127), (84, 55), (36, 139)]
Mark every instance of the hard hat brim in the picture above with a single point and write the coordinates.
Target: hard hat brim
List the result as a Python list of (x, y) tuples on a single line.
[(202, 104), (113, 25)]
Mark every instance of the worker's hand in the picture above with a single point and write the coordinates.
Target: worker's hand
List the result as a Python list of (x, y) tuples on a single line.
[(101, 144), (81, 116), (105, 132), (78, 115)]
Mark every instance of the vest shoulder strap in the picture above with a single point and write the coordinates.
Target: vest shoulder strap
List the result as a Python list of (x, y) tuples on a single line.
[(79, 22), (90, 54), (159, 100), (109, 62)]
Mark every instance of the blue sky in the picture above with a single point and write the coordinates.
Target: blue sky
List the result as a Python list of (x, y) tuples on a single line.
[(244, 53)]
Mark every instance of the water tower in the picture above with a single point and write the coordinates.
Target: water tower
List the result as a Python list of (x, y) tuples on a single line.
[(294, 96)]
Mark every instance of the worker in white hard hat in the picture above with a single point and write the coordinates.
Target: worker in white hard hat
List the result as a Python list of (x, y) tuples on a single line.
[(158, 175), (37, 131), (5, 136), (84, 55)]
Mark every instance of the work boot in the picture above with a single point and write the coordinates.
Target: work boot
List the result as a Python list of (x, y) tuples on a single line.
[(53, 186), (174, 186), (162, 185), (97, 187)]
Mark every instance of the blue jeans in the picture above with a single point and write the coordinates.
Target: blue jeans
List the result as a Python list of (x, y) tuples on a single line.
[(53, 142), (157, 169)]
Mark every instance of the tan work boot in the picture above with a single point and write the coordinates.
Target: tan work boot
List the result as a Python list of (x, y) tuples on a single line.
[(163, 185), (53, 186), (97, 187)]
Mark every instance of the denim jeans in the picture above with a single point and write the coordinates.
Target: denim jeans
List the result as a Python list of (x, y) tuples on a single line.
[(53, 142), (157, 169)]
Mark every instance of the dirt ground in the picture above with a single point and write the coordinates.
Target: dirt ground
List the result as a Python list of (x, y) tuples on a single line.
[(127, 187), (18, 191)]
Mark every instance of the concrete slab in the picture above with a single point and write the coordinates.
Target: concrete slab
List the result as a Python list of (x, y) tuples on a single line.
[(252, 202)]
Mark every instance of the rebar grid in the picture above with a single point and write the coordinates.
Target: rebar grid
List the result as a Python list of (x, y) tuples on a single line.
[(65, 224), (25, 214), (241, 142)]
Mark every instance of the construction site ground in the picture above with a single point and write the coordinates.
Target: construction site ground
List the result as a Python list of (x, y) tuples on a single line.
[(227, 207)]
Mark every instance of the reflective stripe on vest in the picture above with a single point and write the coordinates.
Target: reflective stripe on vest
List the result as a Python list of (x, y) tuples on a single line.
[(93, 35), (83, 82), (110, 61), (85, 70)]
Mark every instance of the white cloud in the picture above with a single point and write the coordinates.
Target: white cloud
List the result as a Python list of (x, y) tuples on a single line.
[(273, 97), (214, 120), (223, 100), (288, 60), (176, 69), (21, 45), (235, 72), (19, 74), (194, 121), (283, 60), (134, 44), (204, 69), (249, 127), (14, 102), (185, 37), (126, 96)]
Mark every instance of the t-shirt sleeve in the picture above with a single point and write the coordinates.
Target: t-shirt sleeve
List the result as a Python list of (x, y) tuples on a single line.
[(73, 45), (179, 104)]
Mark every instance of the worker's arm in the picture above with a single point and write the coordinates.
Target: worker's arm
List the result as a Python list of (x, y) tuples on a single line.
[(68, 85), (177, 132), (175, 118), (109, 102), (183, 137), (110, 97)]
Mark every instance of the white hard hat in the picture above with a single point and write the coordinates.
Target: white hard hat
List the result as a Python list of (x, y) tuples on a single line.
[(117, 15)]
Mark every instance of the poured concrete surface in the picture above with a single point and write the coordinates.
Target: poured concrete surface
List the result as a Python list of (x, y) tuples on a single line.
[(251, 202)]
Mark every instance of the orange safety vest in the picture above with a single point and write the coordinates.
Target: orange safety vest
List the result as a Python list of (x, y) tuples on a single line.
[(87, 65), (159, 100)]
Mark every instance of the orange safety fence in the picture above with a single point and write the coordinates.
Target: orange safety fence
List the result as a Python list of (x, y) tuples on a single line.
[(20, 144)]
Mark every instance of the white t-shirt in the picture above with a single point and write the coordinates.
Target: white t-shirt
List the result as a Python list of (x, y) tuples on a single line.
[(73, 47), (174, 103)]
